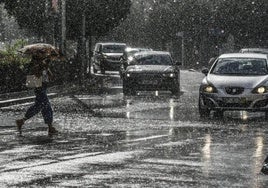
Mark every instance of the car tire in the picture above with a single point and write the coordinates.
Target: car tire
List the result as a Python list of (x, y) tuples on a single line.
[(266, 115), (127, 90), (203, 112), (94, 70), (120, 74), (102, 69), (218, 114), (175, 91)]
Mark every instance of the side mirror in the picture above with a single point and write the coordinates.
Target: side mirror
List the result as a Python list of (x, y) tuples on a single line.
[(205, 71), (178, 63), (211, 61)]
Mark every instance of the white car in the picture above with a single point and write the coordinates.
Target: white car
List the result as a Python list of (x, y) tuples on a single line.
[(237, 81)]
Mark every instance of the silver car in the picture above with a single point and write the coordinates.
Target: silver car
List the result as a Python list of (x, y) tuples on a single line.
[(235, 82)]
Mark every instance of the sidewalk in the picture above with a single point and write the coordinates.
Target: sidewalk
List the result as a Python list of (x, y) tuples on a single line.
[(95, 84), (8, 99)]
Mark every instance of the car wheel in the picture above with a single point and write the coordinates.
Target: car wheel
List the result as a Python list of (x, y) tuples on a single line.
[(203, 111), (218, 114), (175, 91), (120, 74), (94, 70), (127, 90), (266, 115)]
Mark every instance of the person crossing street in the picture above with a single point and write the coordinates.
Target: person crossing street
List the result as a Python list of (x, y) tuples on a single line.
[(40, 68)]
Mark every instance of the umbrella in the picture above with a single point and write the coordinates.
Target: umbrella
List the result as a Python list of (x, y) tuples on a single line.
[(41, 50)]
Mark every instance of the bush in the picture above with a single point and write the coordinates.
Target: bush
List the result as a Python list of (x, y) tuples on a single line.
[(12, 72), (13, 67)]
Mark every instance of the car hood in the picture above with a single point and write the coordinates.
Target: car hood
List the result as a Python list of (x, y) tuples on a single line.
[(151, 68), (113, 54), (220, 81)]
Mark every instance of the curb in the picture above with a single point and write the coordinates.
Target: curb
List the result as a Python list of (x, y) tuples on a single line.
[(9, 99), (95, 85), (10, 102)]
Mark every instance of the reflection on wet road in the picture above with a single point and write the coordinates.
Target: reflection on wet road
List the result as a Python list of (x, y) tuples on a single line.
[(150, 140), (176, 156)]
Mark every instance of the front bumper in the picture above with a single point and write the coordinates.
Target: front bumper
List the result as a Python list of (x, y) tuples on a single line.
[(151, 82), (251, 102), (111, 65)]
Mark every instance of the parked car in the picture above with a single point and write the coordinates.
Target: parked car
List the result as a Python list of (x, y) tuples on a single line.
[(237, 81), (106, 56), (151, 70), (128, 53), (254, 50)]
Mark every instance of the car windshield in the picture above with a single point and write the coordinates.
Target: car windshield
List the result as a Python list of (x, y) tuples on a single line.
[(152, 59), (240, 66), (131, 53), (113, 48)]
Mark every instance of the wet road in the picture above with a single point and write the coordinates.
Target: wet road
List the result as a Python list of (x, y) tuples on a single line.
[(153, 139)]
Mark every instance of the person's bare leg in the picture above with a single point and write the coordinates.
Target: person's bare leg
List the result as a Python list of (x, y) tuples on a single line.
[(19, 123)]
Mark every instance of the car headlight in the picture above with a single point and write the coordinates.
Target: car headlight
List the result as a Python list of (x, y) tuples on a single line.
[(135, 70), (128, 75), (171, 75), (209, 89), (260, 90), (104, 56), (130, 58)]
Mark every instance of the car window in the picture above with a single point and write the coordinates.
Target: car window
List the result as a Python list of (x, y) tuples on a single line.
[(154, 59), (131, 53), (113, 48), (240, 66), (97, 48)]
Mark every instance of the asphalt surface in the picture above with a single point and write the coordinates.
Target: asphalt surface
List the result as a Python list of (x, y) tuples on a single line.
[(152, 139)]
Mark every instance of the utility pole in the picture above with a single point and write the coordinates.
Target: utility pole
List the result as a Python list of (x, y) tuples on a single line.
[(63, 27), (181, 34), (83, 44), (2, 25)]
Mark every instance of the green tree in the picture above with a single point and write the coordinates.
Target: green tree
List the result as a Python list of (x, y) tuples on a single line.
[(133, 29), (101, 16)]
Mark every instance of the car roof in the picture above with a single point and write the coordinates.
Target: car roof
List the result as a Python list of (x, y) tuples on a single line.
[(244, 55), (112, 43), (136, 48), (152, 53), (259, 50), (131, 49)]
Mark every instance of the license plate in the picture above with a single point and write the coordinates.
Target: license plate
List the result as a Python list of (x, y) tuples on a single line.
[(235, 100), (149, 82)]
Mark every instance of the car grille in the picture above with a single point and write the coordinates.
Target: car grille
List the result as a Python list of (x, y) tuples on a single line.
[(234, 90), (113, 58), (235, 105), (146, 78)]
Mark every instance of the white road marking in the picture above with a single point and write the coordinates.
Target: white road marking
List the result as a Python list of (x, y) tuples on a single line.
[(72, 166), (143, 139)]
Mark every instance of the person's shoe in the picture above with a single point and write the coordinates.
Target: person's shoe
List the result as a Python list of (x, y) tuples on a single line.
[(52, 130), (19, 123)]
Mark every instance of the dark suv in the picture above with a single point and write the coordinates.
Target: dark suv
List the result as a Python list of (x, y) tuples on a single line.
[(151, 70), (106, 56)]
